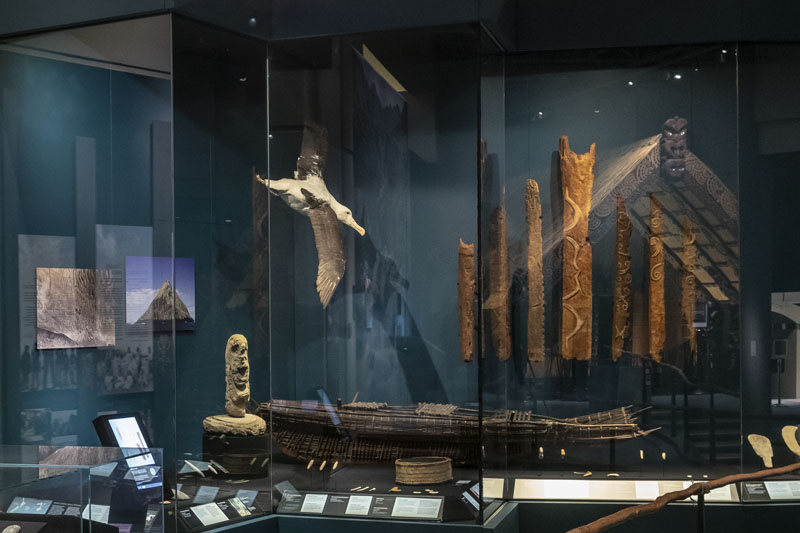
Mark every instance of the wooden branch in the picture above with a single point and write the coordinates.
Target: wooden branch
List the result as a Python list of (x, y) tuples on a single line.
[(637, 511)]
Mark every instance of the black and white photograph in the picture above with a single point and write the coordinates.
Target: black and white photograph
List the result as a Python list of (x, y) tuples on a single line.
[(35, 426), (63, 427), (74, 308), (124, 370), (48, 369)]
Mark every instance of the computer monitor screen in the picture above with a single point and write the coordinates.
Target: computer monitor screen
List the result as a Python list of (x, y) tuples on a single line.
[(125, 431)]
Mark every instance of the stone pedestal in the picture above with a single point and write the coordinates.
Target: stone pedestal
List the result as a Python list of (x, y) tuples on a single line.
[(240, 455)]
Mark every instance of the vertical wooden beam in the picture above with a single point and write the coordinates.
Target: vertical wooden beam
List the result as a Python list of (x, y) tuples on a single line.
[(466, 299), (688, 291), (622, 281), (497, 304), (657, 314), (533, 216), (576, 314)]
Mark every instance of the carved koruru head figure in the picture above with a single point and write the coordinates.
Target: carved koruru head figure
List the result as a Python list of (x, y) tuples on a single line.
[(237, 376), (673, 148)]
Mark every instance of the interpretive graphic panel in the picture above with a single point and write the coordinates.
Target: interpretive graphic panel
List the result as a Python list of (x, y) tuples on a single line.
[(74, 308)]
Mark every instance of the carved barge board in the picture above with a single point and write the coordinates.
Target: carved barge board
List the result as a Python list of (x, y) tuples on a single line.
[(533, 215), (577, 177), (466, 299), (688, 294), (622, 281), (657, 314), (497, 304)]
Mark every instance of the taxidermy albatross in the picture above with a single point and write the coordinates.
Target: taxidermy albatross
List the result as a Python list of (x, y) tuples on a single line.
[(307, 194)]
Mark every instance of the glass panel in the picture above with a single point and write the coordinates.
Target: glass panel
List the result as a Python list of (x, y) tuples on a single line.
[(769, 151), (643, 330), (87, 270), (76, 488), (365, 352), (222, 461)]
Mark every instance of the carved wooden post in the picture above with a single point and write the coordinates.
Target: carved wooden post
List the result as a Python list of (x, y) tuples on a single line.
[(657, 311), (576, 324), (497, 304), (466, 298), (622, 281), (688, 295), (533, 215)]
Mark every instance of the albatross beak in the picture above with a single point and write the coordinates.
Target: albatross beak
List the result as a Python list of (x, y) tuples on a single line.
[(361, 231)]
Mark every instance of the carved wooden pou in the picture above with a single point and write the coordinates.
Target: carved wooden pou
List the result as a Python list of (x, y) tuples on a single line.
[(497, 303), (688, 294), (466, 299), (533, 215), (657, 314), (622, 281), (577, 177)]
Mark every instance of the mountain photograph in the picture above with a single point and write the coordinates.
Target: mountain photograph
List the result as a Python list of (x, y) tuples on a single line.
[(151, 301)]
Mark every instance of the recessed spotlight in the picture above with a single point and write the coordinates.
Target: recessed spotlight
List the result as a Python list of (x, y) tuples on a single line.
[(596, 111), (252, 22), (724, 51), (243, 78), (269, 136), (541, 114), (228, 220), (678, 76), (630, 83)]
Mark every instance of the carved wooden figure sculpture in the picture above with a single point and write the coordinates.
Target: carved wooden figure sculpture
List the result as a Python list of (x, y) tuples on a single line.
[(533, 215), (657, 319), (622, 281), (577, 177), (673, 148), (688, 294), (466, 299), (237, 394), (497, 303)]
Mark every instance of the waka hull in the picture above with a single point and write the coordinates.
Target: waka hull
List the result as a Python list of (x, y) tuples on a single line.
[(366, 432)]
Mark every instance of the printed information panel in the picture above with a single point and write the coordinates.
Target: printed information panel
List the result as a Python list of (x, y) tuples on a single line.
[(204, 515), (609, 490), (372, 505), (766, 491)]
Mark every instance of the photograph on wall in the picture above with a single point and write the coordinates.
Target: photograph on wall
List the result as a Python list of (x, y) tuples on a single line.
[(64, 427), (74, 308), (48, 369), (35, 426), (121, 370), (149, 293)]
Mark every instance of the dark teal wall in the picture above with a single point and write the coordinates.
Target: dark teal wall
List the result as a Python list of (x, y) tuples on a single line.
[(46, 105), (220, 120)]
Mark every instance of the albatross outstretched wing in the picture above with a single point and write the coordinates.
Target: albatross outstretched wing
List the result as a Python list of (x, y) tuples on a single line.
[(312, 153), (330, 251)]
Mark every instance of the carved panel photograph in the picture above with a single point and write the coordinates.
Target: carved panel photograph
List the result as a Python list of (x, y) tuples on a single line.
[(74, 308)]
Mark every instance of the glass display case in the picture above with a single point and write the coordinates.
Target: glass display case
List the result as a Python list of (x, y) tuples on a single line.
[(372, 169), (77, 488), (395, 269)]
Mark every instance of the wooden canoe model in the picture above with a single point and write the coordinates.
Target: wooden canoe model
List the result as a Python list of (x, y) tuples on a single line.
[(369, 432)]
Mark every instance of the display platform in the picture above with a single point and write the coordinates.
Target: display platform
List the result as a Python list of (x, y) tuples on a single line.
[(378, 480)]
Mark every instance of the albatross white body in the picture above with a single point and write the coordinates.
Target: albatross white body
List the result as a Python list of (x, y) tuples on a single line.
[(308, 195), (290, 191)]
